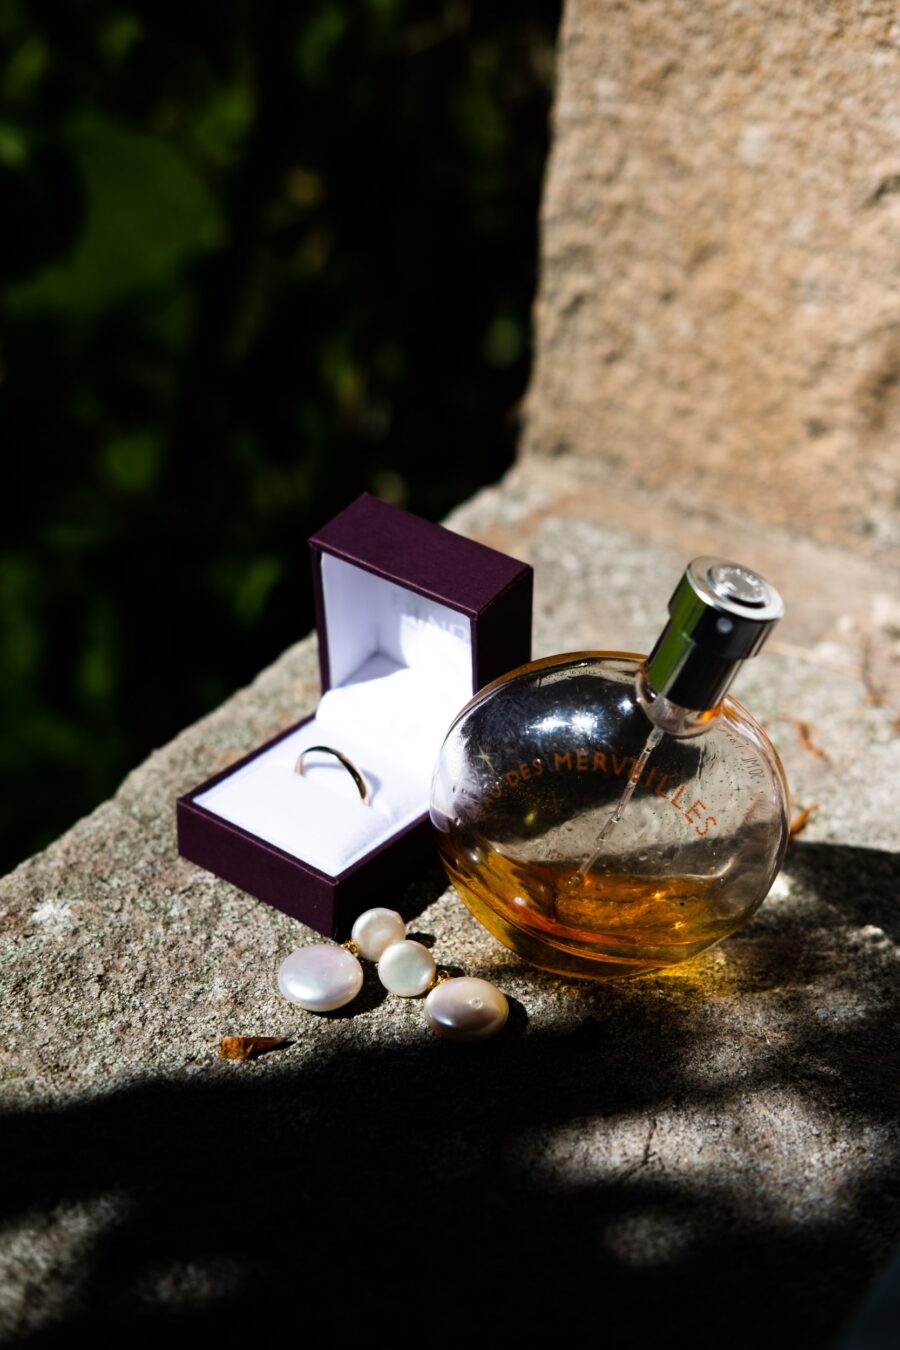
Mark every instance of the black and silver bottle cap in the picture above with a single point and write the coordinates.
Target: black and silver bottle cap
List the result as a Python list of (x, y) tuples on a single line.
[(720, 614)]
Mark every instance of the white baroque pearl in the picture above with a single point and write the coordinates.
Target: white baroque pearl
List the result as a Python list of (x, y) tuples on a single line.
[(466, 1009), (377, 929), (406, 968), (320, 978)]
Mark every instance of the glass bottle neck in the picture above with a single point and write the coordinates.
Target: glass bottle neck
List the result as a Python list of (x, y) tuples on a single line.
[(671, 717)]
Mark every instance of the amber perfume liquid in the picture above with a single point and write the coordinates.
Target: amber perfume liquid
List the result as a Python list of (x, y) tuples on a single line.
[(603, 926)]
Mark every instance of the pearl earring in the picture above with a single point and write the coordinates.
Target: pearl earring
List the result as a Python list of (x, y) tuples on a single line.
[(322, 977)]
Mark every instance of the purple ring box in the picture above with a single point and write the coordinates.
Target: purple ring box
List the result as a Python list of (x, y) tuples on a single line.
[(412, 620)]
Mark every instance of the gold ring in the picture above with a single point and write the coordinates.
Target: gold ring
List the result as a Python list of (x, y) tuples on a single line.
[(348, 765)]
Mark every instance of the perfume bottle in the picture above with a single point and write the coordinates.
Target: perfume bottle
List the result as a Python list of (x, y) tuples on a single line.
[(606, 814)]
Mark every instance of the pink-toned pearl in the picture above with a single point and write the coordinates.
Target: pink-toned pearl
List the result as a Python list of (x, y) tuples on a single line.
[(466, 1009)]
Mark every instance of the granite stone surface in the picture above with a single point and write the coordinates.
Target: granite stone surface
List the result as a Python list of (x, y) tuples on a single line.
[(681, 1153), (720, 267)]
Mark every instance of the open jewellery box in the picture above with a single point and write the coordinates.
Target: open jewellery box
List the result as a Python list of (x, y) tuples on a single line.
[(412, 620)]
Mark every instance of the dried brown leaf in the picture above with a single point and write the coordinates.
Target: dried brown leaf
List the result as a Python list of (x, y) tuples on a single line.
[(804, 731), (248, 1047), (801, 819)]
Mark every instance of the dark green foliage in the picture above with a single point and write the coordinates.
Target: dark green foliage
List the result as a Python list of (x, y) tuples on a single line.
[(257, 259)]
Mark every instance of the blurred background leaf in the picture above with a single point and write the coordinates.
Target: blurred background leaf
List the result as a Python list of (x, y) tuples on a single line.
[(256, 260)]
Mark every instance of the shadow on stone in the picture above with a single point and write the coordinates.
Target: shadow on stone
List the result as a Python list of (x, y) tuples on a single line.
[(863, 884), (473, 1184)]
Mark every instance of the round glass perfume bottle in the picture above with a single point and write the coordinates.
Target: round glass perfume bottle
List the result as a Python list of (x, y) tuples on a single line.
[(605, 814)]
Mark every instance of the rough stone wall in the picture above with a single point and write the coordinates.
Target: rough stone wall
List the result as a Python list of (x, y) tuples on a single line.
[(720, 300)]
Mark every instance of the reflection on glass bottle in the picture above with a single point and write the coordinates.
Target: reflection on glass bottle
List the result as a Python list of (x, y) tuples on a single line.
[(606, 814)]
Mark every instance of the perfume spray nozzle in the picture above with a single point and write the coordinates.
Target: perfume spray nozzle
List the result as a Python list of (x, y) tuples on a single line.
[(719, 615)]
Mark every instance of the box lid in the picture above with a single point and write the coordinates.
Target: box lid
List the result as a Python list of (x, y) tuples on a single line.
[(492, 590)]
